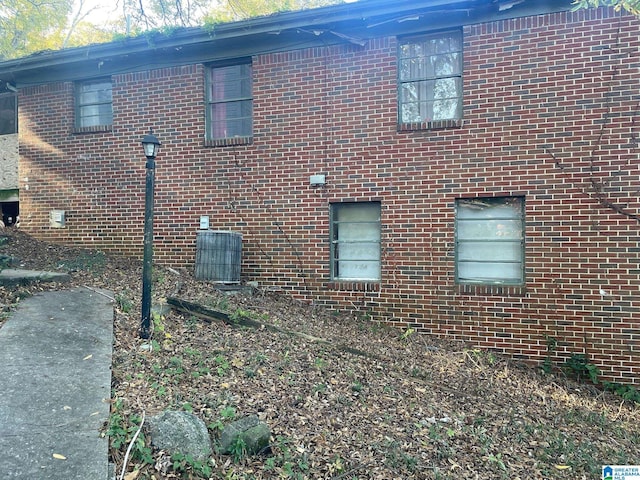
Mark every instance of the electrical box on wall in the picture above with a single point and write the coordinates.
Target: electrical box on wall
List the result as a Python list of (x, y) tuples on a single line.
[(317, 180), (204, 222), (56, 218)]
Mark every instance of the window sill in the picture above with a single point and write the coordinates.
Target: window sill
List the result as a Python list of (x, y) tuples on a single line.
[(228, 142), (93, 129), (354, 285), (500, 290), (435, 125)]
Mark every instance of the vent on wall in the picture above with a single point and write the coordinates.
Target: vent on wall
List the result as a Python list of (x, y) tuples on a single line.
[(56, 218)]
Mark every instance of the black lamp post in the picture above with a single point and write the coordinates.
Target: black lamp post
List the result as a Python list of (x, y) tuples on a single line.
[(150, 143)]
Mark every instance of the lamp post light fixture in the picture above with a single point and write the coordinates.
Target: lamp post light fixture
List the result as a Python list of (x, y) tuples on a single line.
[(151, 144)]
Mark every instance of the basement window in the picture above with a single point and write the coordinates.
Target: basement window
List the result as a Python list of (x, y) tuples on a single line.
[(490, 241), (94, 105), (355, 241), (430, 81), (229, 104)]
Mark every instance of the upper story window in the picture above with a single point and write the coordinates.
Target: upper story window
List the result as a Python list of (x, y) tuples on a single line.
[(94, 104), (355, 241), (8, 113), (490, 241), (229, 104), (430, 80)]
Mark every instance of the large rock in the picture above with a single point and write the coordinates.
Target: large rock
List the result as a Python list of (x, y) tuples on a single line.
[(254, 434), (180, 432)]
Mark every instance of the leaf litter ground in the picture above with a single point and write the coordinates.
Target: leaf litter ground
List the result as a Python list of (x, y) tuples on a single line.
[(365, 402)]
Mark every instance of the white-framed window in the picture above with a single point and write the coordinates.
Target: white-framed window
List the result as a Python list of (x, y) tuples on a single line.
[(94, 103), (229, 102), (490, 236), (430, 78), (355, 241)]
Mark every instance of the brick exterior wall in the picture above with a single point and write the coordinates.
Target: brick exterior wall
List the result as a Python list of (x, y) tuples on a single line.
[(551, 113)]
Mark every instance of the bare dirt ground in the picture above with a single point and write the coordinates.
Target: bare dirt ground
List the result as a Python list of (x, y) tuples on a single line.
[(368, 402)]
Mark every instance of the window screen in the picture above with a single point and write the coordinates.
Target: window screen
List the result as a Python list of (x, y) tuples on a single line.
[(490, 240), (355, 241)]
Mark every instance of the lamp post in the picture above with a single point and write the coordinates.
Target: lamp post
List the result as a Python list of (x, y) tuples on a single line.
[(150, 143)]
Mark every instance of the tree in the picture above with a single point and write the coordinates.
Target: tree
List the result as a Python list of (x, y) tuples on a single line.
[(631, 6), (232, 10), (27, 26)]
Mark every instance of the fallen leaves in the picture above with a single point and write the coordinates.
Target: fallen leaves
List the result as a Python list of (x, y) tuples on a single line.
[(389, 407)]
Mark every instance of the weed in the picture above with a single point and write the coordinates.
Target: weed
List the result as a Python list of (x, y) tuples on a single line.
[(356, 387), (397, 459), (160, 389), (320, 363), (259, 359), (186, 463), (125, 304), (228, 413), (193, 352), (223, 365), (497, 459), (407, 333), (627, 392), (579, 366), (158, 323), (121, 429), (320, 388), (238, 450), (285, 458)]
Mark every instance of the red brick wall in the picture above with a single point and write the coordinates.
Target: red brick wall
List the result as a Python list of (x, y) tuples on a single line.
[(551, 108)]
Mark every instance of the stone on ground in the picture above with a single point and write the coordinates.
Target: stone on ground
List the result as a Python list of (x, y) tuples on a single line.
[(254, 434), (180, 432)]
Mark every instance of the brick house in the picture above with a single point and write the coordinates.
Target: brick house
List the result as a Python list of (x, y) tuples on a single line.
[(467, 169)]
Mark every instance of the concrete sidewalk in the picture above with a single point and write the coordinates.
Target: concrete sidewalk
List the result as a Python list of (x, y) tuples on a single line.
[(55, 384)]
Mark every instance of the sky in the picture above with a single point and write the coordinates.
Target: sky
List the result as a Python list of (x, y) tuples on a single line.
[(101, 10)]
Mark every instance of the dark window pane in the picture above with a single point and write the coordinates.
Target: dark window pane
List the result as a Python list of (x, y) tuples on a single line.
[(230, 102), (8, 114)]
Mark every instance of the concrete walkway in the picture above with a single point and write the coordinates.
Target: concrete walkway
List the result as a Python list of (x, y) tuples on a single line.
[(55, 384)]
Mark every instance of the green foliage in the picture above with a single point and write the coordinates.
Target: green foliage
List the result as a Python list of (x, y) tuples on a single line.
[(222, 364), (233, 10), (579, 366), (552, 343), (631, 6), (187, 464), (407, 333), (158, 323), (227, 414), (125, 304), (238, 450), (28, 26), (628, 392), (122, 428), (291, 463)]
